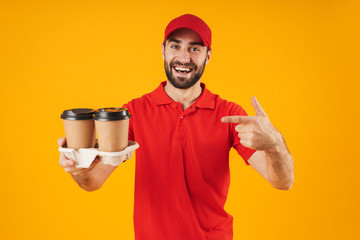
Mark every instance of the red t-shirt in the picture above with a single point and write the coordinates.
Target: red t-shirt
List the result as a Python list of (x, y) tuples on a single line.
[(182, 172)]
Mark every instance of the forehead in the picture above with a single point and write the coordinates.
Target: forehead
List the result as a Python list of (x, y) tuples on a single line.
[(185, 35)]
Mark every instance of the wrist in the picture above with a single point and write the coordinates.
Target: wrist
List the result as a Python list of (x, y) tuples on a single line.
[(278, 144)]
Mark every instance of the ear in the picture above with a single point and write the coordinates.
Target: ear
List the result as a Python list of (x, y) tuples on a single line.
[(163, 51), (208, 56)]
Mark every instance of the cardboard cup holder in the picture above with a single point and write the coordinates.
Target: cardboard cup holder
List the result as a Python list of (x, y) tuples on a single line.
[(85, 156)]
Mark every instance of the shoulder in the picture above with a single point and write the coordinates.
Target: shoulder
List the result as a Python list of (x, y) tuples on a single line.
[(139, 101), (229, 107), (155, 97)]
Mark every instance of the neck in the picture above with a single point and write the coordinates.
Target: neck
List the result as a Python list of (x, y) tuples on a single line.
[(185, 96)]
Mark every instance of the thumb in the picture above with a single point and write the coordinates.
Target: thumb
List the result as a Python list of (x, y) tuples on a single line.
[(61, 141), (258, 109)]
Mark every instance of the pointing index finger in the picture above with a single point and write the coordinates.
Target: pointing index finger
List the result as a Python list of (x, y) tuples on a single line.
[(236, 119)]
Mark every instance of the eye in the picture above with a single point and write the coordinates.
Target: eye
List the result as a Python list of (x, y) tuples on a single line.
[(194, 49), (174, 46)]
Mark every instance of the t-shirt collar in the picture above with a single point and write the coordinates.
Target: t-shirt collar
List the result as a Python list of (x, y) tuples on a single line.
[(206, 99)]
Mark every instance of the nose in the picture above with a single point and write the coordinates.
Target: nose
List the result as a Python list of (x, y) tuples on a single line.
[(184, 55)]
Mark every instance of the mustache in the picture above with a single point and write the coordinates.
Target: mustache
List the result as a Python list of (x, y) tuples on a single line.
[(189, 64)]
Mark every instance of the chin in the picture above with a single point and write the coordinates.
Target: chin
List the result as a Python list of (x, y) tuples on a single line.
[(183, 83)]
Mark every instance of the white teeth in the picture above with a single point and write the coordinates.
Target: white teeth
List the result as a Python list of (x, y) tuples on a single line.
[(182, 69)]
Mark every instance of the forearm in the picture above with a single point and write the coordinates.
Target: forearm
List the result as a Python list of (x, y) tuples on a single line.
[(86, 182), (94, 178), (280, 166)]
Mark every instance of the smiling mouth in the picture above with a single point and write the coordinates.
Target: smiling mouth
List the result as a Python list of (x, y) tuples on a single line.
[(182, 69)]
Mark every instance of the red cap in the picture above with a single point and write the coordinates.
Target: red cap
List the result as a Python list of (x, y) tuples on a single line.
[(191, 22)]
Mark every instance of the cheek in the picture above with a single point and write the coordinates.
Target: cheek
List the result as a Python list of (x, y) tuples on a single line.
[(200, 60), (168, 57)]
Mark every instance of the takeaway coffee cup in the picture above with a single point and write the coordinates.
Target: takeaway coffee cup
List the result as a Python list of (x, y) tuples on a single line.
[(112, 127), (79, 128)]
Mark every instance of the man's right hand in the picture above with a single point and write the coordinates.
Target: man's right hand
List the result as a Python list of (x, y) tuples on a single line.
[(69, 165)]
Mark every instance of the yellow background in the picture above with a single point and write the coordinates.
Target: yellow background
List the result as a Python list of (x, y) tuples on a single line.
[(300, 58)]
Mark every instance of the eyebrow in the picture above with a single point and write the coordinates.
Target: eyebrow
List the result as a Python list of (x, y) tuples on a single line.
[(174, 40), (196, 43), (191, 43)]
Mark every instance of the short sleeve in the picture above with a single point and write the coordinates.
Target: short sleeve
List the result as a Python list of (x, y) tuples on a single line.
[(244, 152), (131, 122)]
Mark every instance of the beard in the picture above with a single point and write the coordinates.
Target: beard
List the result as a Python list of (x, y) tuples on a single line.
[(184, 82)]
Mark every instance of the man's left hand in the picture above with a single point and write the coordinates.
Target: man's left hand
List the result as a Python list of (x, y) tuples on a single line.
[(256, 132)]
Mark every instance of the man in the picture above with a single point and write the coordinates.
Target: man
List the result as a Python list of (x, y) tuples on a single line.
[(185, 133)]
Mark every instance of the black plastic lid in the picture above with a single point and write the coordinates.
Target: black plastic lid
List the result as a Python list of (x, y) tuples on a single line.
[(112, 114), (78, 114)]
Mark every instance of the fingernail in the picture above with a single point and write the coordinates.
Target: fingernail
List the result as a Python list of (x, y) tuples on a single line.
[(224, 119)]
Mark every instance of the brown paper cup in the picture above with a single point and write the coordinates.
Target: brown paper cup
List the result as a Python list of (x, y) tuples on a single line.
[(112, 127), (112, 135), (79, 128), (80, 133)]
